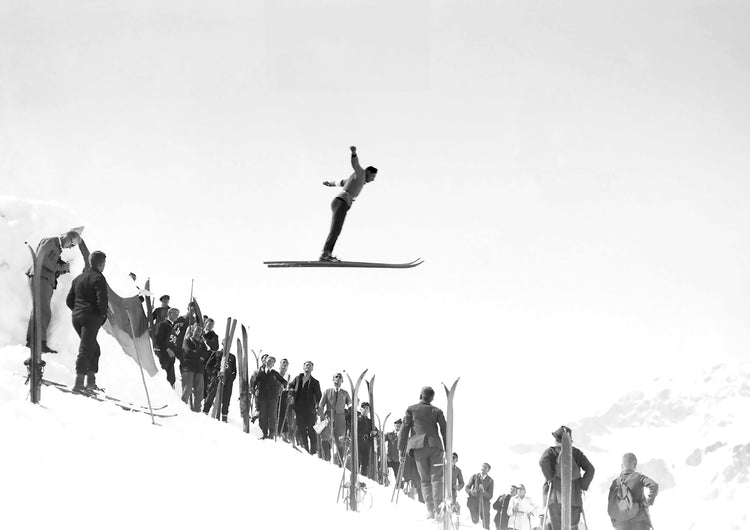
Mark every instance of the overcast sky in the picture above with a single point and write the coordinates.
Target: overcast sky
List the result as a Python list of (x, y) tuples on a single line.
[(576, 176)]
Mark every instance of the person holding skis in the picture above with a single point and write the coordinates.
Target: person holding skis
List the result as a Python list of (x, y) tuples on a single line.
[(480, 489), (550, 469), (163, 347), (632, 513), (88, 300), (52, 267), (419, 435), (344, 200)]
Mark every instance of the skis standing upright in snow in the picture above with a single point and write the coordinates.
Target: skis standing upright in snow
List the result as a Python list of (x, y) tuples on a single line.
[(244, 380), (383, 453), (448, 522), (566, 481), (228, 337), (354, 449), (149, 310), (372, 467), (35, 363)]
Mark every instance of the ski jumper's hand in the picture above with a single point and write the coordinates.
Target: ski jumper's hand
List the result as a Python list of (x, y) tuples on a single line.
[(329, 183), (353, 149)]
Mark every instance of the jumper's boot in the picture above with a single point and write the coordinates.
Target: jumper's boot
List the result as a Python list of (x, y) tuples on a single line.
[(78, 387), (91, 382), (327, 256), (47, 349)]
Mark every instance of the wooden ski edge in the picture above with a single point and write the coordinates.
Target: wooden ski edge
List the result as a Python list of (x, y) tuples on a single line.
[(342, 265)]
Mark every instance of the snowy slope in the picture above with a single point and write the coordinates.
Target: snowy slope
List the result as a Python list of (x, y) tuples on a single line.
[(75, 462)]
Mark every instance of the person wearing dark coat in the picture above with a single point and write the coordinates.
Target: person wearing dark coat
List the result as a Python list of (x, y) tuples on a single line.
[(581, 483), (501, 505), (480, 488), (210, 336), (192, 367), (266, 385), (50, 249), (89, 301), (458, 477), (365, 434), (637, 483), (304, 395), (419, 435), (391, 440), (213, 372), (161, 313), (163, 347)]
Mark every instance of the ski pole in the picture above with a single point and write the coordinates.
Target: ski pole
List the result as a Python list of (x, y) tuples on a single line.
[(583, 513), (398, 480), (546, 506)]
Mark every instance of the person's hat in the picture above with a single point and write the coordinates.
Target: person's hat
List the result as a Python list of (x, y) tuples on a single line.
[(162, 297), (398, 422), (558, 434), (364, 404)]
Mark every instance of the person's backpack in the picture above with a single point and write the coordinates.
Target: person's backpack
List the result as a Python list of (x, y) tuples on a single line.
[(622, 506)]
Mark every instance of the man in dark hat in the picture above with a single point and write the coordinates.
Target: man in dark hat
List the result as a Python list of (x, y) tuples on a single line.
[(160, 313), (551, 470), (88, 300), (52, 267), (391, 440), (419, 435), (344, 200)]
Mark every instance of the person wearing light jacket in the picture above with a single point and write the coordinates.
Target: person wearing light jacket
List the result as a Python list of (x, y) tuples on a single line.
[(522, 511)]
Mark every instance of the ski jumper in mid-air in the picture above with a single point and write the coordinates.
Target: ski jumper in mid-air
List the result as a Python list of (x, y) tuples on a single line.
[(343, 201)]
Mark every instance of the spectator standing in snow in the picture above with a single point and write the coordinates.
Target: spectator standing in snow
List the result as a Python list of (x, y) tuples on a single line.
[(195, 353), (501, 505), (284, 400), (305, 394), (209, 335), (365, 434), (550, 470), (160, 313), (419, 435), (480, 489), (522, 511), (266, 385), (333, 405), (391, 441), (88, 300), (458, 477), (634, 483), (52, 267), (163, 348), (213, 370)]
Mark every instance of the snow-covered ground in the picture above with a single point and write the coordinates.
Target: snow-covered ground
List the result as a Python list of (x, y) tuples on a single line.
[(74, 461)]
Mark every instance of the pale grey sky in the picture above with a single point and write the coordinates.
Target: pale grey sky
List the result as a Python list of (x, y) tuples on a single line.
[(575, 175)]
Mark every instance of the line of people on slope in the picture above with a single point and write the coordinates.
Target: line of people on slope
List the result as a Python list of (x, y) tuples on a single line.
[(422, 435)]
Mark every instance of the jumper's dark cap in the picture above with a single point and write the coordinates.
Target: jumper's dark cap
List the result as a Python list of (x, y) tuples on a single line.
[(558, 434)]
